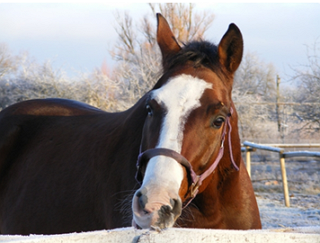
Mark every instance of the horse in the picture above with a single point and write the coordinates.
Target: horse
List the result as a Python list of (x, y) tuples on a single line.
[(65, 166)]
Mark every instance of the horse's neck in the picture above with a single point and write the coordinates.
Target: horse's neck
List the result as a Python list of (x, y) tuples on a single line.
[(129, 132)]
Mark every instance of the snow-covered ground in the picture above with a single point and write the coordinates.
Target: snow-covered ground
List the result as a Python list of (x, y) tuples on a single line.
[(304, 191), (304, 211)]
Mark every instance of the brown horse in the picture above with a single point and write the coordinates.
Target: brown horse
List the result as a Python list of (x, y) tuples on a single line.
[(64, 166)]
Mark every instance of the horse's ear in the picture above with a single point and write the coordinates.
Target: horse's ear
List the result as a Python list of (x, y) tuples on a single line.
[(165, 38), (230, 48)]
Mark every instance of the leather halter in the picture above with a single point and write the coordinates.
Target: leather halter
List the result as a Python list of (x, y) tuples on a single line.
[(197, 180)]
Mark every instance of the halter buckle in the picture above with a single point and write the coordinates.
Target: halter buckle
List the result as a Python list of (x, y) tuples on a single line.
[(195, 187), (222, 142)]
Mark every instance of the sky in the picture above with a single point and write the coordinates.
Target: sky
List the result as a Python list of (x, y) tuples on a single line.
[(78, 37)]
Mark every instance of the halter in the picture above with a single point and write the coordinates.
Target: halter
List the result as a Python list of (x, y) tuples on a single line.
[(197, 180)]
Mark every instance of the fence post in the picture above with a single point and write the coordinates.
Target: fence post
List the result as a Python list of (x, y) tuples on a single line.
[(284, 179), (248, 161), (277, 104)]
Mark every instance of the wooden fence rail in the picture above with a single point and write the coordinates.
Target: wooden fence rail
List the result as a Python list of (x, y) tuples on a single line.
[(249, 147)]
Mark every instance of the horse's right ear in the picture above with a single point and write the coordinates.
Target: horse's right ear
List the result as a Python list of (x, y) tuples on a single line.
[(165, 38)]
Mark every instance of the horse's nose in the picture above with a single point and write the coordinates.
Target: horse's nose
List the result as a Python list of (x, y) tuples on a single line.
[(149, 211)]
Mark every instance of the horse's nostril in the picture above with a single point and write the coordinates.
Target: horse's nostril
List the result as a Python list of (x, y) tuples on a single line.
[(173, 202), (176, 206), (142, 199), (165, 210)]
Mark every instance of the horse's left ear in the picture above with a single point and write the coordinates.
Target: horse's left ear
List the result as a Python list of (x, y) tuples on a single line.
[(165, 38), (230, 48)]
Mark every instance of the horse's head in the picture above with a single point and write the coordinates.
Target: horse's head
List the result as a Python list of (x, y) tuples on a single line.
[(188, 119)]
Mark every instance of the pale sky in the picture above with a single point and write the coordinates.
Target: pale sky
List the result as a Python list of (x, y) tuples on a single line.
[(78, 37)]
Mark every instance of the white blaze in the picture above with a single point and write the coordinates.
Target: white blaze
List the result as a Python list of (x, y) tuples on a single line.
[(180, 96)]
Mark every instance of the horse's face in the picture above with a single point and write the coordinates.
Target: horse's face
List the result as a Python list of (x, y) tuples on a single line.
[(186, 114)]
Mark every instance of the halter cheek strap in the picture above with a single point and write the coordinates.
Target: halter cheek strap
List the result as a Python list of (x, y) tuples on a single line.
[(197, 180)]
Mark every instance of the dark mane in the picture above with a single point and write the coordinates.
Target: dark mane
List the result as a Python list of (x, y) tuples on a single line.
[(199, 53)]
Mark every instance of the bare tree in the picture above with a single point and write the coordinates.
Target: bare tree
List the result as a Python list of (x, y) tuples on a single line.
[(254, 84), (99, 90), (254, 119), (307, 77), (25, 79), (8, 62), (137, 50), (22, 78), (185, 23), (256, 78)]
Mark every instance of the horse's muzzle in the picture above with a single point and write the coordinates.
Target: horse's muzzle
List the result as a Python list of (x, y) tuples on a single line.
[(155, 214)]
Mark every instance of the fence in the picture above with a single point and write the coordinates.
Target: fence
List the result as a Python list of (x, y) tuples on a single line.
[(249, 147)]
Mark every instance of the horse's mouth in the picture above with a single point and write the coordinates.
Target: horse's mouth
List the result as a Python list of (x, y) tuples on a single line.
[(157, 220), (135, 225), (158, 226)]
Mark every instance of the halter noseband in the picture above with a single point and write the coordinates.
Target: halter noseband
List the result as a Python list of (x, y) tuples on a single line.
[(197, 180)]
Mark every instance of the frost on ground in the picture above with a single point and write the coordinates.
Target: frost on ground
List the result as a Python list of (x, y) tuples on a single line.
[(304, 190), (304, 211)]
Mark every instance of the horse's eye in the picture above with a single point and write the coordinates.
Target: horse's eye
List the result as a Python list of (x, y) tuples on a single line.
[(217, 123), (149, 110)]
